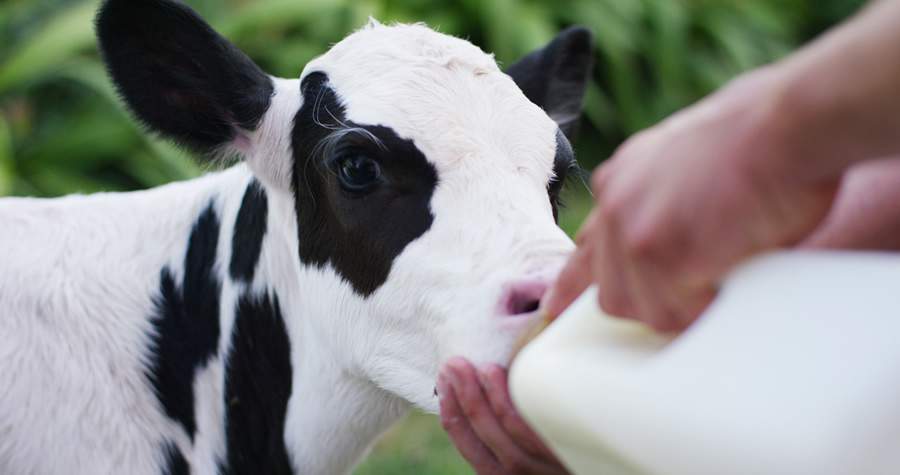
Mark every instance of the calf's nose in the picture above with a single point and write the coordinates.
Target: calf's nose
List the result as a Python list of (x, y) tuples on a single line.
[(522, 297)]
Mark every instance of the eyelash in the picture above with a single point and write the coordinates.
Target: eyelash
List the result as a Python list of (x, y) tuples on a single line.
[(556, 186)]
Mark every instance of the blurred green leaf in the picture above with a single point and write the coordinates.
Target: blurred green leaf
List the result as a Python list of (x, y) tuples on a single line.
[(71, 31), (6, 158), (92, 76), (253, 17)]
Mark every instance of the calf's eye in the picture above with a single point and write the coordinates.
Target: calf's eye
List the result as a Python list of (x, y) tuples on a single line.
[(358, 173)]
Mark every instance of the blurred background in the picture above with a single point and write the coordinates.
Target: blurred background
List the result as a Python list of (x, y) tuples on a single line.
[(62, 129)]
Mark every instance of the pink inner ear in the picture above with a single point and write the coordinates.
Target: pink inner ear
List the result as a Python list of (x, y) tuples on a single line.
[(242, 143)]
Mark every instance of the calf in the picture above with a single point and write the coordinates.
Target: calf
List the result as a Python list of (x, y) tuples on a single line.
[(394, 206)]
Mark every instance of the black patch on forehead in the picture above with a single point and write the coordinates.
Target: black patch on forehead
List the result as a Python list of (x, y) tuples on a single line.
[(175, 461), (359, 235), (257, 389), (563, 164), (249, 230), (186, 323)]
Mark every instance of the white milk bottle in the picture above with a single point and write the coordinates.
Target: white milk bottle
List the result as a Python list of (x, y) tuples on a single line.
[(794, 369)]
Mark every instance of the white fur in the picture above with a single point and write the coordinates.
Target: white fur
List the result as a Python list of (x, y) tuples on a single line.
[(79, 273)]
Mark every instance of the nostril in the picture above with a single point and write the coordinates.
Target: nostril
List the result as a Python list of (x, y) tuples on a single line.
[(524, 305), (522, 297)]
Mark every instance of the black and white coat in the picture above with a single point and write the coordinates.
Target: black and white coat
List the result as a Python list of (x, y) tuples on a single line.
[(394, 207)]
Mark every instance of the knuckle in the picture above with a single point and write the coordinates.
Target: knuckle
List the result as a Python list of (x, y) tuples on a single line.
[(641, 248), (644, 243), (610, 208), (505, 413), (472, 411)]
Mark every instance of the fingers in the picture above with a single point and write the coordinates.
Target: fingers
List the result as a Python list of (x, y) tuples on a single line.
[(475, 408), (494, 381), (609, 268), (635, 249), (655, 298), (479, 422), (461, 432), (636, 281)]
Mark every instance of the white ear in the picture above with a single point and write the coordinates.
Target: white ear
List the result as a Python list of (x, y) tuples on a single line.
[(268, 151)]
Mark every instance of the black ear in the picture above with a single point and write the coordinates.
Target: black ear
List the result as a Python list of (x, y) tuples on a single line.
[(556, 76), (178, 76)]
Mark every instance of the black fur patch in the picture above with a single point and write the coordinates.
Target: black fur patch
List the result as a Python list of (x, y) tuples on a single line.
[(556, 76), (563, 164), (175, 461), (257, 389), (359, 235), (179, 76), (187, 323), (249, 231)]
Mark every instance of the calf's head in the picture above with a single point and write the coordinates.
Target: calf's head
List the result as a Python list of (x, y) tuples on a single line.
[(423, 179)]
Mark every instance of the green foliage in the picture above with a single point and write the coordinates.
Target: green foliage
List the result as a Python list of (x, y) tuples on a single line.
[(63, 130), (416, 446)]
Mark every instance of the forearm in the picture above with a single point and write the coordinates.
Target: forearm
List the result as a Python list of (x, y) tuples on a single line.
[(838, 100)]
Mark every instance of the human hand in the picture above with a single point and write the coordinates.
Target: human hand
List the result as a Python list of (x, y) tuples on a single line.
[(477, 413), (680, 204)]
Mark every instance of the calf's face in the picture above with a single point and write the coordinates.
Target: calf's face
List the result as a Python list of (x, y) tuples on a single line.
[(424, 180)]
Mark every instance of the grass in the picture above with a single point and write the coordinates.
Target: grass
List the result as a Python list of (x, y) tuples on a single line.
[(418, 446)]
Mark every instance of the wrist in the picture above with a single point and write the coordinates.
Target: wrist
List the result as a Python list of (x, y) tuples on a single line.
[(838, 100), (813, 133)]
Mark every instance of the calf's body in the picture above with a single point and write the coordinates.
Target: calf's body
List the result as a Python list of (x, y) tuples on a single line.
[(137, 341)]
